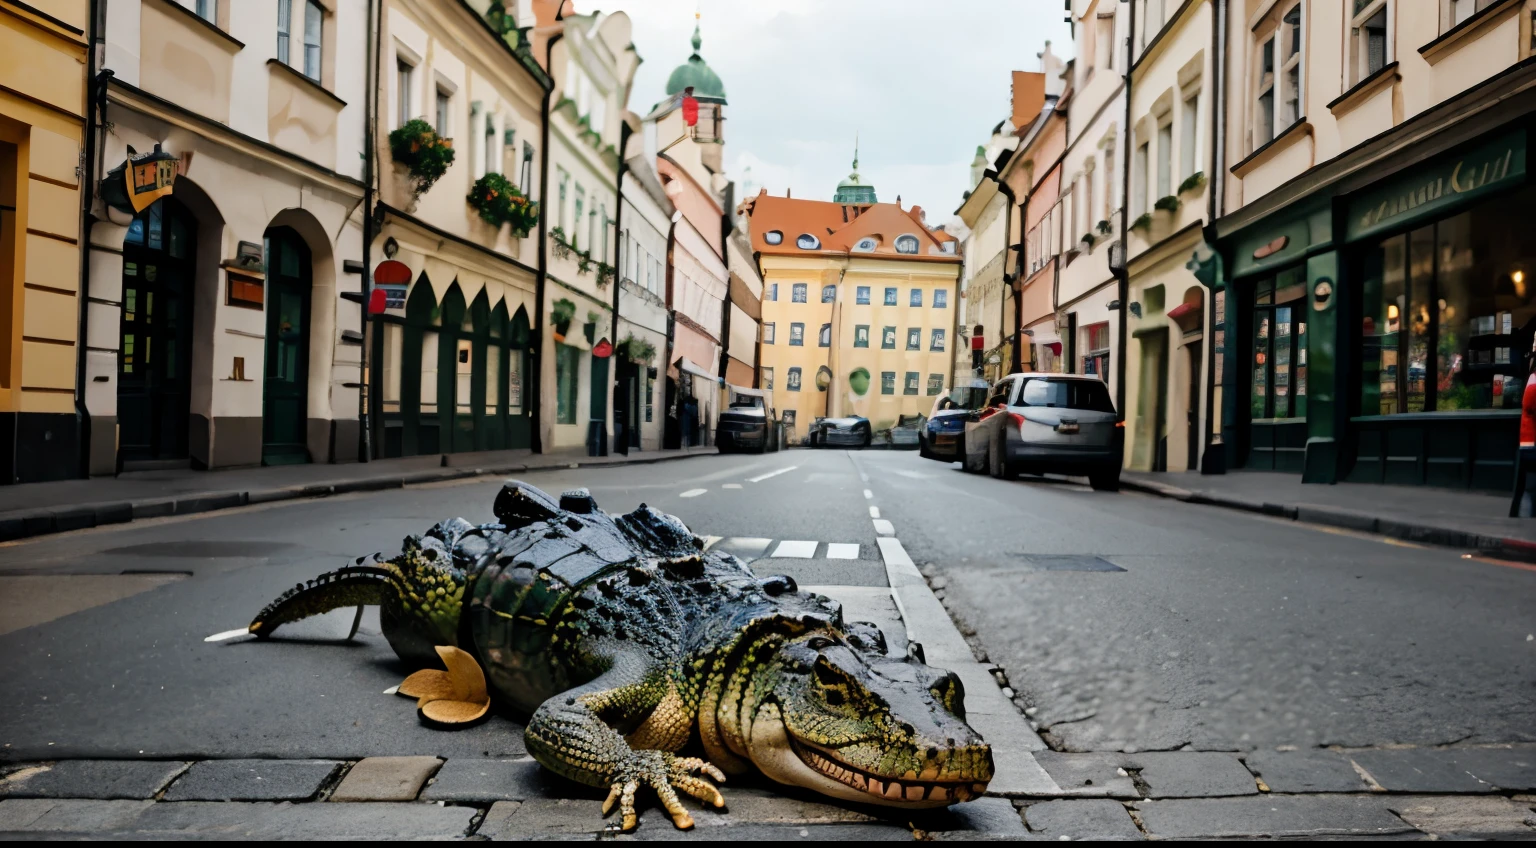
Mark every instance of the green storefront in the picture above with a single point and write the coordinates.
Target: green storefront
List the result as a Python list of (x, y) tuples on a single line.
[(1377, 331)]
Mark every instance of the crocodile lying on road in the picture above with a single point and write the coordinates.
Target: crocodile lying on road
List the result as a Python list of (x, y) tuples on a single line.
[(627, 643)]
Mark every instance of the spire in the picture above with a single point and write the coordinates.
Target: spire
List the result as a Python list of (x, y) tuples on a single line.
[(698, 40), (854, 190), (855, 154)]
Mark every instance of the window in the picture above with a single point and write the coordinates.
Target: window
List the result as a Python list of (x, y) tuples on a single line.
[(793, 383), (773, 237), (314, 18), (906, 244), (1087, 204), (862, 295), (865, 245), (767, 379), (1086, 395), (1109, 186), (1189, 123), (890, 296), (888, 338), (796, 334), (935, 384), (1290, 67), (581, 203), (567, 366), (1139, 182), (773, 292), (1456, 11), (799, 292), (1264, 110), (1154, 12), (806, 241), (941, 299), (1096, 361), (442, 113), (1279, 345), (910, 388), (1370, 51), (916, 298), (861, 335), (404, 71), (1104, 42), (915, 338), (1165, 159), (284, 27), (887, 382), (768, 332), (208, 10), (824, 338), (565, 180), (488, 164), (937, 341), (828, 294)]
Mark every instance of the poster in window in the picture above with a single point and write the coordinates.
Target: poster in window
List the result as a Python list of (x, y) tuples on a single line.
[(515, 381)]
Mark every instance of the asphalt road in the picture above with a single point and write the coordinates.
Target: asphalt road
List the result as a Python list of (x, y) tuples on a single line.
[(1223, 630)]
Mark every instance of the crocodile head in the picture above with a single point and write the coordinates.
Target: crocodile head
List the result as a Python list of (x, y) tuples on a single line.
[(837, 716)]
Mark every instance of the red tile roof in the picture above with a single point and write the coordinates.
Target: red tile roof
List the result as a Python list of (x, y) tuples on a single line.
[(839, 227)]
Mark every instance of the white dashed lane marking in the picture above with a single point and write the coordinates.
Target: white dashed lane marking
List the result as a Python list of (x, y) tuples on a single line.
[(842, 550), (884, 528), (874, 512), (868, 495), (761, 477), (795, 550), (693, 493), (731, 486)]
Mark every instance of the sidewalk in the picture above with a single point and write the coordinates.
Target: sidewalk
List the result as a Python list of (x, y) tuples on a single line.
[(35, 509), (1457, 518)]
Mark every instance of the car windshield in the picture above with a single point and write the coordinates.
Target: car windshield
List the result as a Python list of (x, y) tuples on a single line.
[(1090, 395), (964, 397)]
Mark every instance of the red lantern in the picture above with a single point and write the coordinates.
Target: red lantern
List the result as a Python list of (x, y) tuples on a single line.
[(690, 111)]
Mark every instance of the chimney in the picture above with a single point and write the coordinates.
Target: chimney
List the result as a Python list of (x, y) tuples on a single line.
[(1028, 97)]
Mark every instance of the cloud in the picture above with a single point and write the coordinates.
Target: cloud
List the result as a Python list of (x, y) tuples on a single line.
[(920, 83)]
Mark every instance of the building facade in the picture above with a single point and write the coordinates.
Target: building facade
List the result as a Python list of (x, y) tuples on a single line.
[(217, 331), (643, 315), (1036, 179), (859, 309)]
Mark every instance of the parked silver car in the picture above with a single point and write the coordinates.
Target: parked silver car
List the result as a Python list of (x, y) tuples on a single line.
[(1047, 424), (853, 432)]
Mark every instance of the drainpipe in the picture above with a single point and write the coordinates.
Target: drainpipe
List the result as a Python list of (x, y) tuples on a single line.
[(618, 240), (95, 98), (1123, 272), (1213, 461), (370, 121), (1010, 281), (541, 281)]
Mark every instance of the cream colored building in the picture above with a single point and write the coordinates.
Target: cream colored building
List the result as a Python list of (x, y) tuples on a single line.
[(217, 331), (1172, 107), (43, 62), (647, 225), (988, 216)]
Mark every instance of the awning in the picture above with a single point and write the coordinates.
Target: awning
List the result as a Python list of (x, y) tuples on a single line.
[(683, 363)]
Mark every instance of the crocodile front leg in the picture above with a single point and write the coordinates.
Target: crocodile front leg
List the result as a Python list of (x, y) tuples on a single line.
[(572, 734)]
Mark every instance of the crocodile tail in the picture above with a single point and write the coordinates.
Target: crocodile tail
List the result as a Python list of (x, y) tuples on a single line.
[(353, 586)]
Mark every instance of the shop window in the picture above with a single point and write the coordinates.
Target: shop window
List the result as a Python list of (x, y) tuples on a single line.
[(796, 334), (915, 338), (824, 337), (941, 299), (793, 383), (769, 330), (861, 335), (887, 382), (862, 295), (910, 386), (936, 343), (916, 298), (888, 338), (890, 296), (828, 294), (1280, 346), (1096, 360), (567, 377), (1369, 48), (799, 293)]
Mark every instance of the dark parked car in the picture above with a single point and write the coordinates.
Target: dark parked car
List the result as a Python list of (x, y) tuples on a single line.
[(744, 426), (1047, 424), (943, 437), (852, 432)]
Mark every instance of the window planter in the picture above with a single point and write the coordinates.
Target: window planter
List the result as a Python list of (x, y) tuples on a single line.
[(424, 153), (637, 350), (561, 314), (584, 262), (1142, 223), (1088, 241), (605, 274), (1103, 228), (499, 202), (1193, 183), (562, 244), (1170, 204)]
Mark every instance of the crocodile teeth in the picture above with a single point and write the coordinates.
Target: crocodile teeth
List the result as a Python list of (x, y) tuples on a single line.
[(859, 782), (876, 787), (915, 793), (938, 793), (893, 790)]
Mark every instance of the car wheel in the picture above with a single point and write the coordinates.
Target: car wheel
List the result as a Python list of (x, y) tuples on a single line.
[(1105, 479), (869, 436), (815, 440)]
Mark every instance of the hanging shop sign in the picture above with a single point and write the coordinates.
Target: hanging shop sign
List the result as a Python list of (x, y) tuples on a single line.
[(603, 349), (1438, 185), (141, 180), (391, 279)]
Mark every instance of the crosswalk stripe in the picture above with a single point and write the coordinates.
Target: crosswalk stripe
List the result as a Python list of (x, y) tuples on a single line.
[(842, 550), (795, 550), (693, 493)]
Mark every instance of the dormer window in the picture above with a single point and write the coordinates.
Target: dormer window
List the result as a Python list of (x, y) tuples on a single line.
[(806, 241), (774, 237), (865, 245), (906, 244), (949, 247)]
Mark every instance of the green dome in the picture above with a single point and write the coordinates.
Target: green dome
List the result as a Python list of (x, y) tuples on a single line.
[(706, 85), (853, 190)]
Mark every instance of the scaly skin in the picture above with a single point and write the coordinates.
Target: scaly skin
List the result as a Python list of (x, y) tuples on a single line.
[(626, 643)]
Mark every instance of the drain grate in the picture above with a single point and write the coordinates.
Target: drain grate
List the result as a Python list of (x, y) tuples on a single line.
[(1071, 562)]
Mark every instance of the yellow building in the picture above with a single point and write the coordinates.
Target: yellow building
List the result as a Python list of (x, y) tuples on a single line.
[(858, 307), (42, 108)]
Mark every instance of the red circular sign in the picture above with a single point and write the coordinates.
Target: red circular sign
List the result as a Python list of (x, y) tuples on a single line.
[(603, 349), (391, 273)]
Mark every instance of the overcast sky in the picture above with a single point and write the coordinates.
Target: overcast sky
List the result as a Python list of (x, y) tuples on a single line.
[(922, 83)]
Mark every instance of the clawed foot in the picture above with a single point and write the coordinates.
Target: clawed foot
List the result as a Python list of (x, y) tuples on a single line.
[(662, 771)]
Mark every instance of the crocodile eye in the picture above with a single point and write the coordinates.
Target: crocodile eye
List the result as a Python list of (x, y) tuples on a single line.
[(816, 643)]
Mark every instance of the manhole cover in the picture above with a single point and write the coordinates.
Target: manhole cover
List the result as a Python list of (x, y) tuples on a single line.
[(1074, 562), (199, 548)]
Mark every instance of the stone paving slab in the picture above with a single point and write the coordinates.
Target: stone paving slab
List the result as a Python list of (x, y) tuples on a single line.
[(91, 779), (487, 781), (252, 780), (1506, 766), (1421, 770), (1305, 772), (386, 779), (1478, 817), (1089, 775), (234, 820), (987, 819), (1192, 774), (1271, 816), (1079, 819), (54, 815)]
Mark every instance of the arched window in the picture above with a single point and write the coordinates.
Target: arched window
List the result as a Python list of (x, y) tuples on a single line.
[(413, 429), (454, 375), (519, 428), (906, 244), (774, 237), (824, 338), (806, 241), (865, 245)]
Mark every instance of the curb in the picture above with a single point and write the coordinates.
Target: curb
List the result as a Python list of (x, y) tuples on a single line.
[(44, 522), (1502, 547)]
